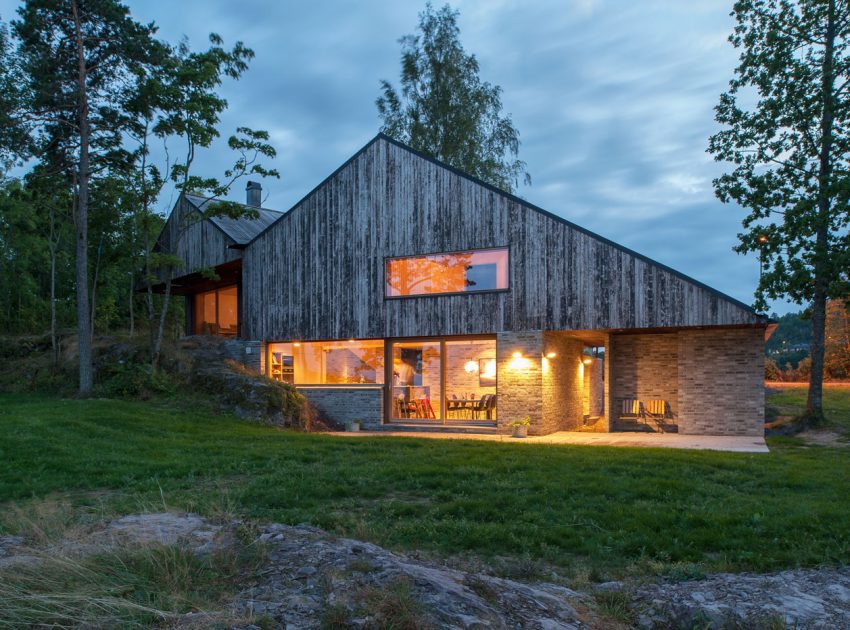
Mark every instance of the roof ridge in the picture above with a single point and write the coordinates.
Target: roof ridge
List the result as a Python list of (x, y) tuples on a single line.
[(209, 199)]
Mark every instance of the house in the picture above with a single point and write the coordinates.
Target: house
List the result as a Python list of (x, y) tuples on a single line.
[(403, 291)]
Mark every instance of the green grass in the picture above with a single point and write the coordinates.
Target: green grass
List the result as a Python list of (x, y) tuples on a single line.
[(608, 511), (791, 400)]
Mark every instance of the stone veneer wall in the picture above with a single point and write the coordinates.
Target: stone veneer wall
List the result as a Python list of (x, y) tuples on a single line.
[(563, 383), (721, 381), (250, 353), (519, 390), (593, 396), (549, 391), (344, 404), (644, 366)]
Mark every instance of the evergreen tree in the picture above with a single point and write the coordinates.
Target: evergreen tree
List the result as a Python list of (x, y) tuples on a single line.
[(75, 58)]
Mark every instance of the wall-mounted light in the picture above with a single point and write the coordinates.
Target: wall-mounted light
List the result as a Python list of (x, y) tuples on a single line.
[(551, 355), (519, 362), (297, 344), (587, 360), (471, 367), (351, 341)]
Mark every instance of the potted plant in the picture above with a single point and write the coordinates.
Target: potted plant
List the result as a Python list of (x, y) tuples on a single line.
[(519, 428), (354, 425)]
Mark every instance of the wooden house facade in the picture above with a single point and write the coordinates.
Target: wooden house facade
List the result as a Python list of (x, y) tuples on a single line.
[(402, 291)]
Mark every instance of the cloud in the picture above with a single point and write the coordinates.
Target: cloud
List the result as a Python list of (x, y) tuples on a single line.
[(614, 101)]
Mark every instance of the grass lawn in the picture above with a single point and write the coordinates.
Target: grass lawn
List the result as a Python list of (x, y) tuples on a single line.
[(607, 512)]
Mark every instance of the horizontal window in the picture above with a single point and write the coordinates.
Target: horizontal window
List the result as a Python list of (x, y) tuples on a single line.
[(456, 272), (327, 362)]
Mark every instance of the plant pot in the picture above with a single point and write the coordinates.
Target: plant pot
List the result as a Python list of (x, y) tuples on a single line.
[(354, 426), (520, 431)]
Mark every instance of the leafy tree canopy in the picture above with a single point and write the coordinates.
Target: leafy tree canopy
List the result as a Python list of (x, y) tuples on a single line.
[(445, 110), (786, 133)]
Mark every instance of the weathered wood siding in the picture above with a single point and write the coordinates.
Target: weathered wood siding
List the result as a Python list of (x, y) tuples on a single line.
[(318, 273), (201, 244)]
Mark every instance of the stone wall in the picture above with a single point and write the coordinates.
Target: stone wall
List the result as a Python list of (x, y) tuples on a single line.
[(593, 395), (341, 405), (549, 391), (249, 353), (646, 367), (721, 381), (563, 383), (520, 378)]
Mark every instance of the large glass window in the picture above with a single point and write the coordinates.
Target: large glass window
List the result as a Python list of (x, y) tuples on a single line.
[(327, 362), (216, 312), (457, 272), (471, 379), (417, 380)]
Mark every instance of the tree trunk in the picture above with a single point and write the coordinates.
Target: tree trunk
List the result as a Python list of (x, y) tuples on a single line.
[(163, 315), (96, 277), (81, 218), (814, 403), (132, 311), (52, 244)]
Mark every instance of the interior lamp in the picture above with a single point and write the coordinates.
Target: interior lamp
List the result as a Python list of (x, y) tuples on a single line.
[(471, 367)]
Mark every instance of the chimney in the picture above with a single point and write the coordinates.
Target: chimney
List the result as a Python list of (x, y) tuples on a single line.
[(255, 194)]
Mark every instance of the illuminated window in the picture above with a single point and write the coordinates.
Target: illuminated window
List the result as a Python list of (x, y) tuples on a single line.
[(327, 362), (457, 272), (217, 312)]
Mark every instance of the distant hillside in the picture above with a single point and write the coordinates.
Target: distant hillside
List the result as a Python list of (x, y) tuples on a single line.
[(790, 342)]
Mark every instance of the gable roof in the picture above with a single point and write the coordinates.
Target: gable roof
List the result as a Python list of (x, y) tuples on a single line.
[(530, 206), (240, 231)]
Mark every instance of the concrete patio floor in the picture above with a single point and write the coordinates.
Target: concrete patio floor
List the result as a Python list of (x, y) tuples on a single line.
[(730, 443)]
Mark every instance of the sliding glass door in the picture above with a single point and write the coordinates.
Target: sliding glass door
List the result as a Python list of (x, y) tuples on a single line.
[(417, 384), (442, 380)]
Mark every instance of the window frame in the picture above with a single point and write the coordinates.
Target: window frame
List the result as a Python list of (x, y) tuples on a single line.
[(387, 259), (383, 354), (215, 291)]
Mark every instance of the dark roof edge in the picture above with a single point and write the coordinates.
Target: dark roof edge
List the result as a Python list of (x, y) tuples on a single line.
[(319, 185), (522, 202)]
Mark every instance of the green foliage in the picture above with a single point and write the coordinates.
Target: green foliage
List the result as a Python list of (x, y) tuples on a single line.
[(791, 150), (522, 422), (130, 379), (445, 110), (604, 507), (790, 155), (140, 91)]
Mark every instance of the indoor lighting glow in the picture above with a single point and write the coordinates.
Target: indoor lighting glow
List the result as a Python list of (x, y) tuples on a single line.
[(471, 367), (551, 355), (587, 360)]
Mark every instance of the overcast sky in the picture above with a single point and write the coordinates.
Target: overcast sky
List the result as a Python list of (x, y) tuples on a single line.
[(613, 100)]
